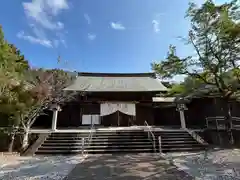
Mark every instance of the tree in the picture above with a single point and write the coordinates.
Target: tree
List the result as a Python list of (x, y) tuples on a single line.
[(12, 69), (215, 37), (188, 86), (26, 92), (46, 87)]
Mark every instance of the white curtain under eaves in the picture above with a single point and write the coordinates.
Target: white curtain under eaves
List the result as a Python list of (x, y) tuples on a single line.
[(108, 108)]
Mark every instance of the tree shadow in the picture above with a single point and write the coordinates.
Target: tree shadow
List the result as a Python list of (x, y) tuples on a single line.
[(212, 164), (39, 167), (119, 167)]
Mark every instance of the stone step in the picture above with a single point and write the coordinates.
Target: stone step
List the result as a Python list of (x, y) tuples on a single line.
[(98, 134), (54, 151), (180, 142), (95, 151), (170, 132), (119, 151), (96, 140), (69, 135), (173, 135), (176, 139), (120, 146), (66, 138), (120, 139), (124, 136), (117, 146), (119, 136), (185, 136), (100, 137), (129, 143), (182, 149), (120, 131), (50, 144), (94, 143), (57, 147), (182, 145)]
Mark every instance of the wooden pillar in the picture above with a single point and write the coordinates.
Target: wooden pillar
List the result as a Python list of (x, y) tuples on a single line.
[(181, 108), (118, 118), (182, 118), (54, 120), (55, 108)]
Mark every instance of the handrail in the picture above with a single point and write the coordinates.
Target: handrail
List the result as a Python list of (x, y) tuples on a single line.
[(160, 144), (197, 137), (153, 136), (219, 119), (89, 139)]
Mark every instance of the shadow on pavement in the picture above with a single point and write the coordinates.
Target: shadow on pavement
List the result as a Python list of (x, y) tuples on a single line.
[(122, 166)]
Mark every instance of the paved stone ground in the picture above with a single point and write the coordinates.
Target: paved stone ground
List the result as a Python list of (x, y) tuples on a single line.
[(218, 164), (212, 165), (38, 167), (126, 167)]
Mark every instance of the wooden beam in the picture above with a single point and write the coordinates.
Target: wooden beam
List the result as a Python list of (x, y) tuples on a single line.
[(164, 99)]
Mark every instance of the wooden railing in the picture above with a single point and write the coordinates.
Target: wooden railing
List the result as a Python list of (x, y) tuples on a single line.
[(160, 144), (150, 133), (219, 122), (86, 142)]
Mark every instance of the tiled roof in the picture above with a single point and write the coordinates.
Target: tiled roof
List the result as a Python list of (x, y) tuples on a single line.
[(117, 82)]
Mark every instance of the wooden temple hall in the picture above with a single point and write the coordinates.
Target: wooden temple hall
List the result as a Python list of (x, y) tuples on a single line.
[(113, 100)]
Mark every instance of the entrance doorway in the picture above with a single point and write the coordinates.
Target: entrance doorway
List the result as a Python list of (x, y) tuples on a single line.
[(167, 117), (117, 119)]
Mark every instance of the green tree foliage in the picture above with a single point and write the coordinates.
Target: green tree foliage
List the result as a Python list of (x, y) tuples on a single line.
[(188, 86), (12, 69), (26, 92), (215, 37)]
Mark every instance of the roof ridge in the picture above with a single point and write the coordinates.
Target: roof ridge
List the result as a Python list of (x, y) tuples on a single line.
[(149, 74)]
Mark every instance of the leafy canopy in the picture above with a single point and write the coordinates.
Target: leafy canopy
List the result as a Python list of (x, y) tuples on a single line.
[(215, 37)]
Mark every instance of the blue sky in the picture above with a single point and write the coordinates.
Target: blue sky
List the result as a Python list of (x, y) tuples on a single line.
[(95, 35)]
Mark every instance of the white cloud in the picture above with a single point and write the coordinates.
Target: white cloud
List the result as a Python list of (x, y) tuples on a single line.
[(87, 18), (43, 12), (91, 36), (42, 16), (57, 5), (37, 31), (155, 24), (35, 40), (117, 26)]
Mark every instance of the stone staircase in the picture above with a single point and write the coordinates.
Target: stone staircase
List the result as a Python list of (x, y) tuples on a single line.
[(131, 141), (120, 141), (62, 143), (177, 141), (124, 141)]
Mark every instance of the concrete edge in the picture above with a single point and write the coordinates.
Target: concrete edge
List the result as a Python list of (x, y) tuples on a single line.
[(198, 138), (34, 147)]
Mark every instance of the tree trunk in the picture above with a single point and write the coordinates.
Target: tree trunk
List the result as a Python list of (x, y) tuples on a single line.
[(228, 118), (12, 138), (25, 139)]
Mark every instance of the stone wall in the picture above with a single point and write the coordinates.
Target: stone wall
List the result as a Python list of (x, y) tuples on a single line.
[(220, 138)]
